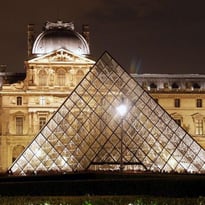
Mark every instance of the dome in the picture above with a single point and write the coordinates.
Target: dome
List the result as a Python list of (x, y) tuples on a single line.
[(60, 35)]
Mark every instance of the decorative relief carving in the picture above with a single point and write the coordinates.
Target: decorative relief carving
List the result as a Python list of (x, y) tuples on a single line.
[(62, 56), (18, 85), (59, 24)]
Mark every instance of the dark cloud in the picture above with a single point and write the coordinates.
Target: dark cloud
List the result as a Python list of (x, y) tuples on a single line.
[(124, 12)]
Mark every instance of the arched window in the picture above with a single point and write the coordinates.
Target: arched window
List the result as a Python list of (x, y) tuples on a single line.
[(61, 77), (175, 86), (196, 86), (17, 150), (152, 86), (42, 78)]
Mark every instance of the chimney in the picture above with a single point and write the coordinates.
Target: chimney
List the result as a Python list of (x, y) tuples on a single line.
[(30, 39), (86, 32)]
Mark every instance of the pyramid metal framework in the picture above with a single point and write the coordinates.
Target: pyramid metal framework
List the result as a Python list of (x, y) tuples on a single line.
[(87, 132)]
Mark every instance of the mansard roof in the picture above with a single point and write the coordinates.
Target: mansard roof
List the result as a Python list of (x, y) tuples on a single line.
[(60, 35)]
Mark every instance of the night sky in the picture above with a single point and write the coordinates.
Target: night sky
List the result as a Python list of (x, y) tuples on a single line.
[(151, 36)]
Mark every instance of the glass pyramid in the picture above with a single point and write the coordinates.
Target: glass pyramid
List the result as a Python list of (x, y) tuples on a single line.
[(87, 132)]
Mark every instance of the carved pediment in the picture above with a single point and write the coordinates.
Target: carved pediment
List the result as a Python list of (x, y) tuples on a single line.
[(197, 116), (176, 115), (61, 56)]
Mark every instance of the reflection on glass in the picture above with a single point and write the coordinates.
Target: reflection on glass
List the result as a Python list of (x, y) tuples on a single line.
[(85, 132)]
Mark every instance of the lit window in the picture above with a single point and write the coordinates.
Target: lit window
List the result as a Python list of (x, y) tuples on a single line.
[(61, 77), (19, 125), (42, 122), (198, 102), (19, 100), (199, 127), (42, 100), (177, 102)]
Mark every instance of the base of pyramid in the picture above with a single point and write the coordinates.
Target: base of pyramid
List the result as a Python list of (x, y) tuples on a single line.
[(104, 183)]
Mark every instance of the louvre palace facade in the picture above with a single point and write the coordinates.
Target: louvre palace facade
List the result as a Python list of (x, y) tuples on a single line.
[(59, 115)]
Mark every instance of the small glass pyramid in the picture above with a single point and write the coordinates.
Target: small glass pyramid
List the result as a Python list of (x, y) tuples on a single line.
[(88, 133)]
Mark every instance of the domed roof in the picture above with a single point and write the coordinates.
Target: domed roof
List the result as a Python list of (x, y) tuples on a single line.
[(60, 35)]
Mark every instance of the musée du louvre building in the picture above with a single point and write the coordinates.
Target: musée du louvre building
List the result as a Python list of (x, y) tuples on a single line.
[(72, 113)]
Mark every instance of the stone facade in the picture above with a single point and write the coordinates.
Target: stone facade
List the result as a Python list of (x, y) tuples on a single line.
[(28, 104), (182, 96)]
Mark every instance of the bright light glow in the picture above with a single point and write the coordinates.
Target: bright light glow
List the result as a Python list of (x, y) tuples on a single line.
[(122, 109)]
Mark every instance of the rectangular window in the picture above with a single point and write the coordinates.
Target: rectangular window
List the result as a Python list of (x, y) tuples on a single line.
[(19, 125), (61, 77), (199, 127), (198, 102), (177, 102), (42, 122), (42, 100), (19, 100), (42, 78)]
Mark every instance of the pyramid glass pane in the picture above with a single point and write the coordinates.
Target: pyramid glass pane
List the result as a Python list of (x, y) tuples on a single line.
[(87, 132)]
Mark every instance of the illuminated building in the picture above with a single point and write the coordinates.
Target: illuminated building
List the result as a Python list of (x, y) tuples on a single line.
[(59, 58), (109, 123), (182, 96)]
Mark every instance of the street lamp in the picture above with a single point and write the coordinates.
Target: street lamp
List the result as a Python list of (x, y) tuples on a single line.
[(122, 110)]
